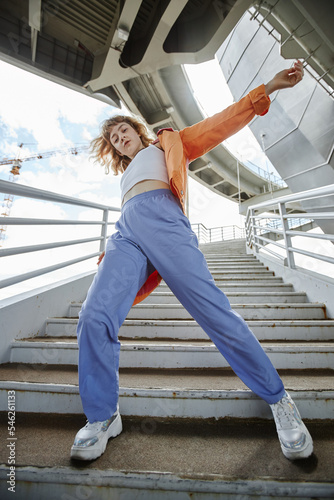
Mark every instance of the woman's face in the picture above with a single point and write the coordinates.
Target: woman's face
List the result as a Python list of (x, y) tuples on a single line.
[(125, 140)]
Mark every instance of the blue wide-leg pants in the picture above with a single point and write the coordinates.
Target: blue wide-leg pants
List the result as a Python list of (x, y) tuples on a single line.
[(153, 232)]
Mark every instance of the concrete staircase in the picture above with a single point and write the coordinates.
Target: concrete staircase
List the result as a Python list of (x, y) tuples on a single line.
[(189, 421)]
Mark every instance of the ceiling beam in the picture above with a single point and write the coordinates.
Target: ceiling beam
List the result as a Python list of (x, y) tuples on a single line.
[(35, 16)]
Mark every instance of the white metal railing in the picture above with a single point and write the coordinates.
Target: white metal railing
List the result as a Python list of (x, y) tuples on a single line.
[(258, 225), (267, 224), (39, 194), (215, 234), (274, 182)]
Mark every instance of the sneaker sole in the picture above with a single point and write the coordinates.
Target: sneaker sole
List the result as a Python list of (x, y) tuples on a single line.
[(97, 450)]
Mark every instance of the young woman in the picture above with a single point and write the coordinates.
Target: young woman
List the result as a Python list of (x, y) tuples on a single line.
[(154, 241)]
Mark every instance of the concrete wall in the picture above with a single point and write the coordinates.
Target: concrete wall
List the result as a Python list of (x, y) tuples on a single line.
[(318, 288), (25, 314)]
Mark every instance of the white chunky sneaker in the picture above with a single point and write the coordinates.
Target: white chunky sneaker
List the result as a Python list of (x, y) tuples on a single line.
[(295, 439), (91, 441)]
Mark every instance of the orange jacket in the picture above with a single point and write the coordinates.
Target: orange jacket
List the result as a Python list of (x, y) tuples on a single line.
[(192, 142)]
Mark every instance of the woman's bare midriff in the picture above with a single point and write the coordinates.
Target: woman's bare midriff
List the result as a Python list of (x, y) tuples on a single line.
[(143, 187)]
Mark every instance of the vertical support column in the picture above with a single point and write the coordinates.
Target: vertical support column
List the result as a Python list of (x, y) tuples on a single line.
[(239, 193), (104, 230), (290, 260)]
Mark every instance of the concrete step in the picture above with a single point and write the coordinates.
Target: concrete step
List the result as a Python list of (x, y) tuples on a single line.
[(211, 460), (230, 255), (234, 298), (244, 285), (168, 297), (233, 267), (186, 393), (249, 273), (174, 353), (247, 311), (188, 329), (234, 263), (257, 267), (252, 261), (228, 247), (258, 306), (255, 279)]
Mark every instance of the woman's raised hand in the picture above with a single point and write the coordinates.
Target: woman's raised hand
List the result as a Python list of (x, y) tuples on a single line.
[(286, 79)]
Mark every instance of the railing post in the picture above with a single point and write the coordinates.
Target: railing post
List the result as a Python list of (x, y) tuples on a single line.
[(253, 231), (290, 260), (104, 230)]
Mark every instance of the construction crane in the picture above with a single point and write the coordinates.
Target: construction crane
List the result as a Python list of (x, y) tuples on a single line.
[(46, 154), (15, 172)]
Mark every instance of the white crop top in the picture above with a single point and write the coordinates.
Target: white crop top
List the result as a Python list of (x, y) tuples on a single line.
[(149, 163)]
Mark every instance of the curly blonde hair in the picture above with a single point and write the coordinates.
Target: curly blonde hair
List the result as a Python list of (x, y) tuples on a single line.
[(106, 154)]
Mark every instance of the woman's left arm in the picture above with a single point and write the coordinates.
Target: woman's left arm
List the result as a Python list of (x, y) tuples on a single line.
[(200, 138)]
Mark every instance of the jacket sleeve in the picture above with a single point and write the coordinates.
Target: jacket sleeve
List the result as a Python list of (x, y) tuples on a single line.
[(200, 138)]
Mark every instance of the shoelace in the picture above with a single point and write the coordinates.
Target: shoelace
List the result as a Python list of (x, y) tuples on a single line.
[(94, 426), (285, 416)]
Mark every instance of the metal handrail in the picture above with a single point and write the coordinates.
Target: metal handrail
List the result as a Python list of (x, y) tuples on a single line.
[(274, 180), (258, 225), (302, 196), (8, 187), (219, 233), (34, 193)]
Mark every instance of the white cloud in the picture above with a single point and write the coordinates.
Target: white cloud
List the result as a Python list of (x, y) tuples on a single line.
[(210, 209), (208, 76), (41, 104), (87, 135), (36, 114)]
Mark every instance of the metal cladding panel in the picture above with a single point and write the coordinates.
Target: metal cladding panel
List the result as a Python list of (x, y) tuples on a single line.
[(234, 51), (242, 56), (287, 154), (317, 123)]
